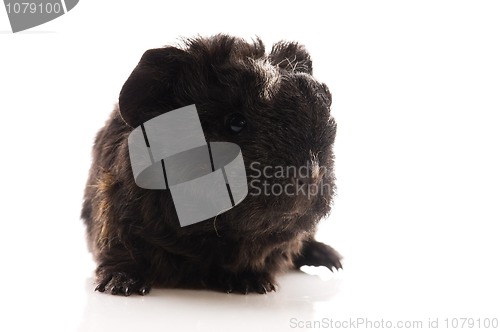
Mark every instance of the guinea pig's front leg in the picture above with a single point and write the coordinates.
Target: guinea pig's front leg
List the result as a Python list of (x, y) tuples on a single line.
[(318, 254), (120, 283), (120, 273), (248, 282)]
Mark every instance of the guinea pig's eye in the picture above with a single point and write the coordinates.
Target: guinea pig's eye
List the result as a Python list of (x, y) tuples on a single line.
[(235, 123)]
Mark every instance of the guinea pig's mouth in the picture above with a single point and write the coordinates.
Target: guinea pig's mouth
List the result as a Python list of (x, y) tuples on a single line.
[(291, 215), (296, 210)]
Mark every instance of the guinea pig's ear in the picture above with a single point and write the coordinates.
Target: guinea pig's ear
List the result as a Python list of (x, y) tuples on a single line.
[(148, 91), (291, 56)]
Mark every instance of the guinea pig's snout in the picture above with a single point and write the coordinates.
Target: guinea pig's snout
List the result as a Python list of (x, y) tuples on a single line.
[(312, 178), (308, 180)]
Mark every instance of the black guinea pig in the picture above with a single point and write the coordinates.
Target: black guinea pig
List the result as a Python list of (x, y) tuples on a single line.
[(272, 107)]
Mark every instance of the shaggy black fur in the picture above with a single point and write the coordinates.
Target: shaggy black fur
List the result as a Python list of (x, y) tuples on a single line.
[(134, 234)]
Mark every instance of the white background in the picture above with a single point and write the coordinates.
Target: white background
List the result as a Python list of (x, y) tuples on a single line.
[(416, 87)]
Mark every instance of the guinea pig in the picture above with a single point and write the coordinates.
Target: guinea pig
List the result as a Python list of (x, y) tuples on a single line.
[(273, 108)]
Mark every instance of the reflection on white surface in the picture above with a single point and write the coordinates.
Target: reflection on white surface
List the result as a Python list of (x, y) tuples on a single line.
[(394, 292), (194, 310)]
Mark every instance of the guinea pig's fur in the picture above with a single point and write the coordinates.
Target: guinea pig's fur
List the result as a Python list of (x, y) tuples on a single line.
[(134, 233)]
